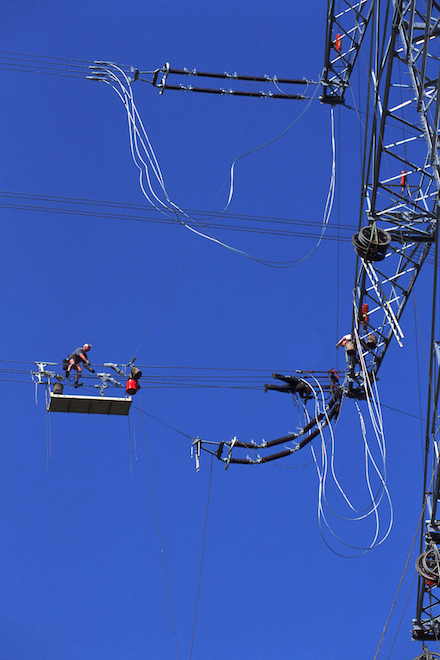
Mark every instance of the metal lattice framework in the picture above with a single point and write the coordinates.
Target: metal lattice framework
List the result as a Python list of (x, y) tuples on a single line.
[(400, 185), (400, 175), (426, 625), (399, 209)]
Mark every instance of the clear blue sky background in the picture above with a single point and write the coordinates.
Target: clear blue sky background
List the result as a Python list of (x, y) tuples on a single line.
[(82, 572)]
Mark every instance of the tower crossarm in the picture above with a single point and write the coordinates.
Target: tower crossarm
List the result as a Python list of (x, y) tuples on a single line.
[(344, 34)]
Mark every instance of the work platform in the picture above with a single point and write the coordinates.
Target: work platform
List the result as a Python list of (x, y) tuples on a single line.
[(98, 405)]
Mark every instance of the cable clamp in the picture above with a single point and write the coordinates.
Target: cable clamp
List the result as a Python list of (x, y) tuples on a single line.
[(195, 451), (135, 73), (115, 367), (231, 446), (106, 378), (42, 372), (166, 71)]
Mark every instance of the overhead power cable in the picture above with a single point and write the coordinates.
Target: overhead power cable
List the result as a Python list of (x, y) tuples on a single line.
[(266, 225), (247, 223), (45, 64)]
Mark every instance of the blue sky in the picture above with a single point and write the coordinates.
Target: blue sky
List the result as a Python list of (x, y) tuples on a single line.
[(92, 504)]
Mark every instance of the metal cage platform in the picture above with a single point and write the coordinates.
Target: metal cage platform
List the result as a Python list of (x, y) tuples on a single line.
[(97, 405)]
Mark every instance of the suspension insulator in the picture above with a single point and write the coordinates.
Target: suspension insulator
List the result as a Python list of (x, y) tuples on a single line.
[(371, 243)]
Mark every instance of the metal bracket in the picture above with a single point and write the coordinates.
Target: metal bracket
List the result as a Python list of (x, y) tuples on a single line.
[(42, 372), (162, 83), (437, 351), (115, 367), (196, 450), (228, 460), (106, 378)]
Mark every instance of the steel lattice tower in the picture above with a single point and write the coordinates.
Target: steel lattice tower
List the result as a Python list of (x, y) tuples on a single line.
[(399, 210)]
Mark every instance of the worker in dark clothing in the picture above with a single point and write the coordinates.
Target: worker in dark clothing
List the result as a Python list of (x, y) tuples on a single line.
[(75, 360), (292, 385)]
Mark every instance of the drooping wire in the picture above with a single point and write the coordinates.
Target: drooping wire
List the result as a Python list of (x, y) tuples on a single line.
[(201, 559), (138, 133), (158, 529), (263, 146), (143, 412), (48, 433), (322, 473), (331, 192), (129, 445), (118, 80), (327, 467), (403, 614)]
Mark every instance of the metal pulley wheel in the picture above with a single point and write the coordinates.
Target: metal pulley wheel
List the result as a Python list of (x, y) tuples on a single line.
[(428, 565), (427, 655), (371, 243)]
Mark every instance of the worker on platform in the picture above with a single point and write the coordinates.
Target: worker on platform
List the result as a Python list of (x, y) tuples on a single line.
[(75, 360), (291, 385)]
